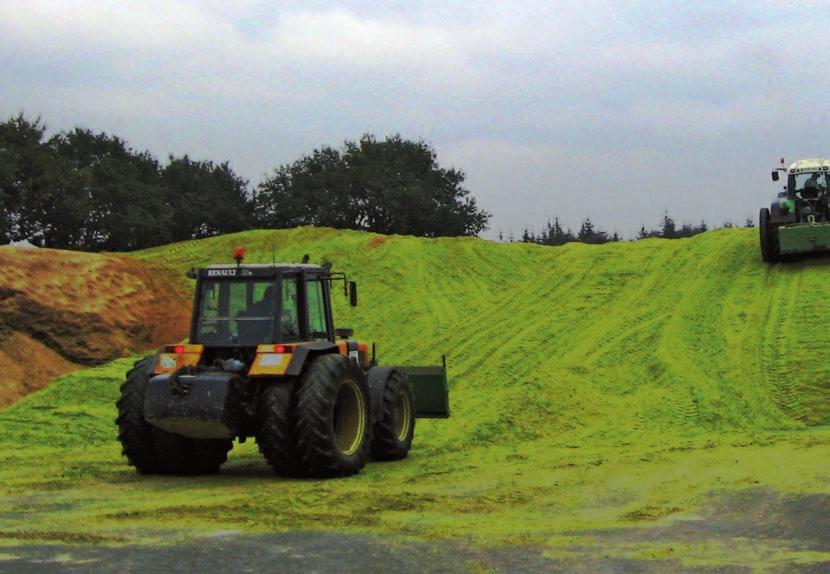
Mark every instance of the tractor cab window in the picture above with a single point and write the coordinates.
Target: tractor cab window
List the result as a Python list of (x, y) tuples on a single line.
[(289, 323), (316, 310), (809, 185), (236, 312)]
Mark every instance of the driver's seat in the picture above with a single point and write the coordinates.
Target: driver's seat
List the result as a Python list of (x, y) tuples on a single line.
[(811, 192)]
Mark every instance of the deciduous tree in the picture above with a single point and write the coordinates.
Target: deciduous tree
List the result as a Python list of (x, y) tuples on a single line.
[(389, 186)]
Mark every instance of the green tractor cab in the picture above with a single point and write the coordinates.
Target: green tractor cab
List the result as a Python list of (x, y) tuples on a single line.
[(798, 222)]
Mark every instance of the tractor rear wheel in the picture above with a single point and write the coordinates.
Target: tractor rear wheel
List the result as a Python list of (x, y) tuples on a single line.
[(152, 450), (333, 417), (392, 435), (769, 237), (276, 437), (135, 433)]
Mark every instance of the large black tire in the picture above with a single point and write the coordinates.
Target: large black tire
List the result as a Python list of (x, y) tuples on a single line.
[(393, 432), (333, 417), (276, 436), (135, 433), (769, 237), (154, 451)]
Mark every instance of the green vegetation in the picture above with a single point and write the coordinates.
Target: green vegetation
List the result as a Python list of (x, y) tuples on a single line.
[(389, 186), (592, 387), (92, 192)]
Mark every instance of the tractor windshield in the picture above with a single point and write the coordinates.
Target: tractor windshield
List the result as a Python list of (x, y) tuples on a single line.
[(808, 185), (245, 312)]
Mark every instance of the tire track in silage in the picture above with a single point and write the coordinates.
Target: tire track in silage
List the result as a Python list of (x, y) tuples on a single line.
[(511, 343), (798, 376), (597, 294), (782, 324)]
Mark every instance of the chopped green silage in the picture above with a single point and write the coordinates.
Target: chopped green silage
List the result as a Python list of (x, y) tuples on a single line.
[(592, 387)]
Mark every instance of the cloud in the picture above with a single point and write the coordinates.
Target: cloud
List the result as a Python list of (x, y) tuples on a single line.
[(342, 37), (138, 26), (523, 96)]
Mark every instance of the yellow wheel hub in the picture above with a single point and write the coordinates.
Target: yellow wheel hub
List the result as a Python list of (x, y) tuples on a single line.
[(349, 418), (403, 416)]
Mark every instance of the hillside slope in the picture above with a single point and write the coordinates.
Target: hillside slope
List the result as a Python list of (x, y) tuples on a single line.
[(60, 310), (678, 388), (612, 340)]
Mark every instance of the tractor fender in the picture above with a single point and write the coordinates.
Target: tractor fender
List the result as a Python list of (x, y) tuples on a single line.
[(303, 353), (377, 383), (148, 363)]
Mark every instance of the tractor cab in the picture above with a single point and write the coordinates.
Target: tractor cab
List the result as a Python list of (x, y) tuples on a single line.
[(804, 198), (243, 306)]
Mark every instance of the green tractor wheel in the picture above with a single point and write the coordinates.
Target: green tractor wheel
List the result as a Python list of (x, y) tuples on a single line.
[(769, 237)]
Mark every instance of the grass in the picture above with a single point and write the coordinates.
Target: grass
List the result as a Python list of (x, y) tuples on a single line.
[(592, 387)]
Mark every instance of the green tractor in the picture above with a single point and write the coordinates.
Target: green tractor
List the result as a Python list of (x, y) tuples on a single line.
[(798, 221), (264, 360)]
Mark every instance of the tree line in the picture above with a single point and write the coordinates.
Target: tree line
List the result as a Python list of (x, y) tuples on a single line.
[(92, 191), (554, 234), (87, 191)]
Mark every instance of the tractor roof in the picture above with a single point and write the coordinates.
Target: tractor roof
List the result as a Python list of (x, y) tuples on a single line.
[(281, 266), (809, 165), (255, 270)]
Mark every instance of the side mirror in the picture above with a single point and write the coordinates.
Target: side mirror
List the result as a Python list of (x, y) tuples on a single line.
[(352, 293), (775, 176), (344, 332)]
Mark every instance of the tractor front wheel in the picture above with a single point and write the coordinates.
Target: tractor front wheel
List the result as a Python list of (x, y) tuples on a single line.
[(769, 237), (333, 417), (393, 432)]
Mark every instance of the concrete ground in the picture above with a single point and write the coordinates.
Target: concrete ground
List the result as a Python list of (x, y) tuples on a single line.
[(754, 531)]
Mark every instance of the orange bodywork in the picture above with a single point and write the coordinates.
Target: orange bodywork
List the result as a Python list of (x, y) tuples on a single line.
[(270, 360), (170, 360), (362, 351)]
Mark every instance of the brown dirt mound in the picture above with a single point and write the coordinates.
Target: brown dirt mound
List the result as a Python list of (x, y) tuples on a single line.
[(61, 309)]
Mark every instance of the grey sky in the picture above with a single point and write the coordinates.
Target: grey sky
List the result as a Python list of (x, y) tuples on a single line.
[(617, 110)]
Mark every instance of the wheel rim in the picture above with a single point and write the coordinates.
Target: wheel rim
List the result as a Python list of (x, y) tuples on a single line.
[(403, 414), (349, 418)]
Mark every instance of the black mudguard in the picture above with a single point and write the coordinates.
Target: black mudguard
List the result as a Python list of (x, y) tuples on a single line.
[(302, 353), (199, 405)]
